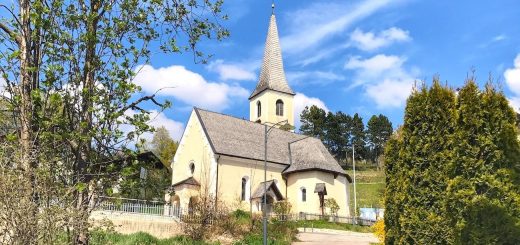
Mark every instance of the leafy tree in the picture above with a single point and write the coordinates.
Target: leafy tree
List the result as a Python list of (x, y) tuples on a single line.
[(379, 129), (68, 69), (164, 146), (313, 122)]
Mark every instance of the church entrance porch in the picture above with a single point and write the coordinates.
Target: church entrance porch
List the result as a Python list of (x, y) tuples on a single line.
[(272, 194)]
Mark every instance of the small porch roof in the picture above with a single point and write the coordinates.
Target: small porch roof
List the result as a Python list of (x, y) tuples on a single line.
[(271, 189), (320, 188), (188, 181)]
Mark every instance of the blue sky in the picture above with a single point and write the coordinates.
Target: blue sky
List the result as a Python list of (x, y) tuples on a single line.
[(353, 56)]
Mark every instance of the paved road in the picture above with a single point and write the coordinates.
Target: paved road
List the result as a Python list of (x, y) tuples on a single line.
[(323, 236)]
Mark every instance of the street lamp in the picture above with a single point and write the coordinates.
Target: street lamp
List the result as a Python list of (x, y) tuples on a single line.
[(267, 130)]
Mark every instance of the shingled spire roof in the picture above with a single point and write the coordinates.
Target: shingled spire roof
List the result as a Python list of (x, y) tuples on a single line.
[(272, 75)]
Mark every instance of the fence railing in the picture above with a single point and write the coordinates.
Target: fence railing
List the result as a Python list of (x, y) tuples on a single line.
[(157, 208)]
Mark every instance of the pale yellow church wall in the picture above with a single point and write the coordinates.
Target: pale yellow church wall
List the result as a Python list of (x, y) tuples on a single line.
[(230, 174), (194, 148), (336, 188), (268, 100)]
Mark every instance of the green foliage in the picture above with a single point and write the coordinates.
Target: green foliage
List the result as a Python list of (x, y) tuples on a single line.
[(452, 169), (164, 146), (332, 205), (340, 131), (379, 130), (70, 90), (113, 238), (282, 207), (313, 122)]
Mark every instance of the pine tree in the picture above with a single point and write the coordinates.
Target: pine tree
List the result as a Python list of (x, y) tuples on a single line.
[(358, 137), (379, 130), (313, 122)]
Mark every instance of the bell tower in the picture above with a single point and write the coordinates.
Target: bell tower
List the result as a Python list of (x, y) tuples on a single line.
[(272, 99)]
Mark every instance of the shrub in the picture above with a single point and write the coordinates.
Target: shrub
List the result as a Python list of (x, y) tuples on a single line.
[(282, 209), (379, 230), (332, 205)]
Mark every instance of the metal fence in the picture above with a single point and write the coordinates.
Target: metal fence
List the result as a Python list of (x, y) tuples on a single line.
[(157, 208), (329, 218)]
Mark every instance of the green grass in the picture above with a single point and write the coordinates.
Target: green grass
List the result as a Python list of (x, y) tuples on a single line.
[(370, 186), (140, 238), (322, 224)]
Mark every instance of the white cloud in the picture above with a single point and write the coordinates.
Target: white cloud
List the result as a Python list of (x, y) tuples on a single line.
[(383, 79), (157, 120), (312, 77), (499, 38), (376, 65), (232, 71), (512, 77), (390, 93), (369, 41), (188, 87), (309, 27), (301, 101)]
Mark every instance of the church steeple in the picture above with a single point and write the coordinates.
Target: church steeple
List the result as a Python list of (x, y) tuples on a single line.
[(272, 75), (272, 99)]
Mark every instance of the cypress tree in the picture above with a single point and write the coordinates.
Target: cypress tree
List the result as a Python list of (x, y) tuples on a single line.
[(425, 154), (453, 171), (483, 201)]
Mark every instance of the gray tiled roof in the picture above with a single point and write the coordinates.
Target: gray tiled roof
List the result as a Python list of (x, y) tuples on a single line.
[(272, 75), (310, 153), (242, 138), (271, 189)]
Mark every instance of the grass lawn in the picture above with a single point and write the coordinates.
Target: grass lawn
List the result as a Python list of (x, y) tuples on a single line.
[(370, 185), (141, 238)]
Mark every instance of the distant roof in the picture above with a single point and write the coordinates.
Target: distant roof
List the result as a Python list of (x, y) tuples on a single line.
[(236, 137), (272, 75), (188, 181)]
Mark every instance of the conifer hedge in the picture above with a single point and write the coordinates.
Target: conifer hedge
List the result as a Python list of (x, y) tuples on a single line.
[(453, 169)]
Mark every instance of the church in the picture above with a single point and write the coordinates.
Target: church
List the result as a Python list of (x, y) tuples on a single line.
[(223, 156)]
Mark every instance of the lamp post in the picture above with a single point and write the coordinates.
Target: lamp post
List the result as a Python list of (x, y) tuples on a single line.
[(354, 168), (266, 130)]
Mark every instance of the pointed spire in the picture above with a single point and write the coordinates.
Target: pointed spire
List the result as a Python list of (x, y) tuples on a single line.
[(272, 75)]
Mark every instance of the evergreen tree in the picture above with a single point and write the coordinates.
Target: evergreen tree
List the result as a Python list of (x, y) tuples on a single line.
[(483, 194), (379, 129), (313, 122), (358, 137), (337, 134), (453, 169), (422, 160)]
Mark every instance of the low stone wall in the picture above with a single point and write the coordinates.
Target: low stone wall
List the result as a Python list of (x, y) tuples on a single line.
[(125, 223)]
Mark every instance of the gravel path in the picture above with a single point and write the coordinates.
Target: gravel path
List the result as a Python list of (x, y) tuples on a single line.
[(326, 236)]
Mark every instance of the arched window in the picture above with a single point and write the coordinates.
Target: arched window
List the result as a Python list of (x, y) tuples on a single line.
[(304, 194), (279, 108), (192, 168), (258, 109), (244, 196)]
